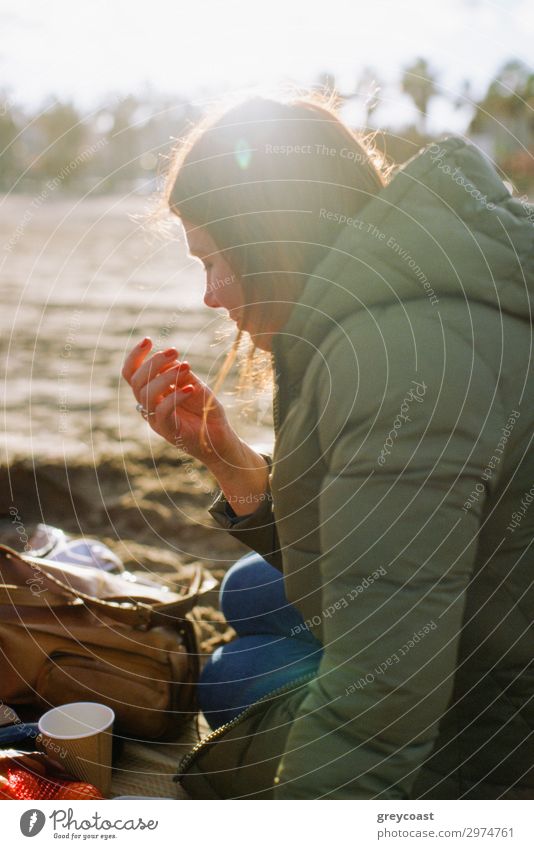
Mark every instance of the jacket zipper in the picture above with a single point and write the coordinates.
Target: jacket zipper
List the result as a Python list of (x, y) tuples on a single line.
[(276, 402), (191, 756)]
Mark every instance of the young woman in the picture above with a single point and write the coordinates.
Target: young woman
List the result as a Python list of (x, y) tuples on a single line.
[(386, 602)]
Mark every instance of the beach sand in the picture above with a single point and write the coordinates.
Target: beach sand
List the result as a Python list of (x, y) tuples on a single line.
[(82, 280)]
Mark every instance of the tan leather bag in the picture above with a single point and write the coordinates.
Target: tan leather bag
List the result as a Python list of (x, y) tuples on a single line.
[(70, 633)]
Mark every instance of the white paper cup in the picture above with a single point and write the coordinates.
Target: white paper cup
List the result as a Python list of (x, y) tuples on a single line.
[(79, 735)]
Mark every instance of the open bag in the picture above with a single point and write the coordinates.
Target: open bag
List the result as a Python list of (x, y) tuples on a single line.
[(71, 633)]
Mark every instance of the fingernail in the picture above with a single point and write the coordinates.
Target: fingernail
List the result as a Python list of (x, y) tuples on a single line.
[(170, 352), (145, 342), (184, 366), (187, 389)]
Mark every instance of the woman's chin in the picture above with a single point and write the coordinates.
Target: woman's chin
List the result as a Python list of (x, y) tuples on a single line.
[(262, 341), (237, 319)]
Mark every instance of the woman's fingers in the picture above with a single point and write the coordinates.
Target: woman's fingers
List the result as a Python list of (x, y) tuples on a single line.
[(188, 392), (157, 364), (153, 391), (136, 358)]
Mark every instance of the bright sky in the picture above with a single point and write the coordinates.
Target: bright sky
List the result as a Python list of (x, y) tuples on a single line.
[(88, 50)]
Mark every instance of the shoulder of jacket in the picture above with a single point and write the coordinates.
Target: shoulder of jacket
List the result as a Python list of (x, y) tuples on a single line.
[(385, 317), (374, 356)]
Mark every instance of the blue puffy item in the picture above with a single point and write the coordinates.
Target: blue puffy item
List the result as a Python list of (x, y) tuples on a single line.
[(21, 734)]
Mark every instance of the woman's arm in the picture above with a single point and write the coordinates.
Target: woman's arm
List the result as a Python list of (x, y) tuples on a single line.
[(168, 389), (257, 528), (175, 399), (243, 476)]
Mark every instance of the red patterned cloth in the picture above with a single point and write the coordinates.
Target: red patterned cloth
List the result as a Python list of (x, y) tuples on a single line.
[(21, 784)]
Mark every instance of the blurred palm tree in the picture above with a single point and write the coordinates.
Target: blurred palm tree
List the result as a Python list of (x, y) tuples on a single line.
[(368, 88), (507, 108), (419, 82), (504, 122), (8, 147)]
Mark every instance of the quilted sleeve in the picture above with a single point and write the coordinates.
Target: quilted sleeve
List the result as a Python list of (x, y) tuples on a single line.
[(257, 530)]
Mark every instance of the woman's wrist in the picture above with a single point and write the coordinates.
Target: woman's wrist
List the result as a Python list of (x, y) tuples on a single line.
[(243, 477)]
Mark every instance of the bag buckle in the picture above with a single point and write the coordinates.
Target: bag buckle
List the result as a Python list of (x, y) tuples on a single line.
[(144, 613)]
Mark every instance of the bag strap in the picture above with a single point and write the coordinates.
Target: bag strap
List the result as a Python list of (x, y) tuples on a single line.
[(15, 595), (123, 609)]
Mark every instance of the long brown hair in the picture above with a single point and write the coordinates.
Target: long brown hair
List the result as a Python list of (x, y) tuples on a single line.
[(261, 175)]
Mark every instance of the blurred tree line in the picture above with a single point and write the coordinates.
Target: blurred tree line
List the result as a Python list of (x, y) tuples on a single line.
[(120, 147), (116, 148), (501, 123)]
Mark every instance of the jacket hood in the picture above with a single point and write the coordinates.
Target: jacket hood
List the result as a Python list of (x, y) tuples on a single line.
[(445, 226)]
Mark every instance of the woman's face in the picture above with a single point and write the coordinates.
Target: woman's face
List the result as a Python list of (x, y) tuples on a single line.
[(223, 287)]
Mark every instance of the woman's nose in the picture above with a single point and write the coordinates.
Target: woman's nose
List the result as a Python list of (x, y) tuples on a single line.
[(210, 298)]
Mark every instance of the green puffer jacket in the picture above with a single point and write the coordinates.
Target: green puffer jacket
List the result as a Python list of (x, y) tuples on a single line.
[(401, 513)]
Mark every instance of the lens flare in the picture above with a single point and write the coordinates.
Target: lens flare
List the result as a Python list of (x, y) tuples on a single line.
[(243, 154)]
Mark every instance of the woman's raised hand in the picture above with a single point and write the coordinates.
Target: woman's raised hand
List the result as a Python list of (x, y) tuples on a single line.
[(166, 387)]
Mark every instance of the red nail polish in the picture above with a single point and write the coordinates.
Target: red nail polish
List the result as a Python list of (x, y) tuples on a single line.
[(145, 342), (187, 389), (184, 366), (170, 352)]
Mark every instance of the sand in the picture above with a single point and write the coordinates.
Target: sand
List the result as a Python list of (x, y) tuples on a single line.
[(82, 280)]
